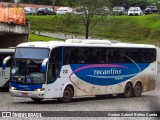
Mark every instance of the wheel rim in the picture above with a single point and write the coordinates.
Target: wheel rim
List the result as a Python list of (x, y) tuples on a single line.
[(67, 94), (137, 89), (128, 91)]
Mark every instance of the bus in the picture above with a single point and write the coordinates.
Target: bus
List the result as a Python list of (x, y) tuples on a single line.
[(80, 67), (5, 74)]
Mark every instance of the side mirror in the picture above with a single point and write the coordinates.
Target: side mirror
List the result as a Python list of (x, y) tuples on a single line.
[(44, 65), (4, 64)]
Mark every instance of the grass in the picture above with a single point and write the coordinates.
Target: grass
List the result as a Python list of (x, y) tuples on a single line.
[(33, 37), (138, 29)]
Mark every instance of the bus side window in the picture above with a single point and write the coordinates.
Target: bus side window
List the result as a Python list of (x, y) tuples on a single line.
[(52, 72), (97, 55), (66, 59), (83, 55)]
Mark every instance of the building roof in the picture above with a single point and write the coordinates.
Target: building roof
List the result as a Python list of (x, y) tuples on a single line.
[(36, 6)]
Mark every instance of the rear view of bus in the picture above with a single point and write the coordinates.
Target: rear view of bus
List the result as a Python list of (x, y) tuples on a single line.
[(5, 74)]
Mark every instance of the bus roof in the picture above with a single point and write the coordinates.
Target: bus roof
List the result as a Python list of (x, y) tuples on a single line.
[(7, 50), (85, 43)]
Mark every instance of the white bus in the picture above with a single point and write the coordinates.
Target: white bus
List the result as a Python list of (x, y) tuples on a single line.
[(63, 70), (5, 74)]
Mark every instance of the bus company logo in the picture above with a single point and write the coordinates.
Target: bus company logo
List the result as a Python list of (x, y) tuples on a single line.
[(105, 74), (23, 86), (113, 71)]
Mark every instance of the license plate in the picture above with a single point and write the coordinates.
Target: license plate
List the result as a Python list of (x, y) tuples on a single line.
[(24, 94)]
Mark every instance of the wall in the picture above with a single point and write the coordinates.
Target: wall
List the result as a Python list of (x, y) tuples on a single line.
[(12, 40), (11, 34)]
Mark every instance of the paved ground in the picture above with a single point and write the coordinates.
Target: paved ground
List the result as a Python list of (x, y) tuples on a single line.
[(150, 101)]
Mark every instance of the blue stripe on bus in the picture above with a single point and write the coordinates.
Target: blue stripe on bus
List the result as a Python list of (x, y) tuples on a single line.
[(25, 87), (106, 74)]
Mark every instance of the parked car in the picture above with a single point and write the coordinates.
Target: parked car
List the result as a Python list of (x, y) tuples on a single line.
[(106, 10), (30, 10), (150, 10), (135, 11), (46, 11), (78, 11), (64, 10), (118, 10)]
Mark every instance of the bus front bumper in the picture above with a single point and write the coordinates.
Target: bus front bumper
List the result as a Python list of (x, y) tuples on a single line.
[(28, 94)]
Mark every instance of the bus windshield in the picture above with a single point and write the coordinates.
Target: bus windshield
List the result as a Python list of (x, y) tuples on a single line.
[(27, 71), (26, 67), (31, 53)]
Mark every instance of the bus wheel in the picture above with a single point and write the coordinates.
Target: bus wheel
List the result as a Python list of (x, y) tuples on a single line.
[(4, 89), (37, 99), (137, 91), (128, 90), (67, 95)]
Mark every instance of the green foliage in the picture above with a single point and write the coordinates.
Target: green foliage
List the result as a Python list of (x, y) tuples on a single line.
[(138, 29), (93, 11), (33, 37), (69, 3), (44, 2), (154, 2), (47, 2), (129, 3)]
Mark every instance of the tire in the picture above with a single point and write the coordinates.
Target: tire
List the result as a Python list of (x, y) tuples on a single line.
[(37, 99), (128, 90), (137, 91), (4, 89), (67, 95), (110, 96)]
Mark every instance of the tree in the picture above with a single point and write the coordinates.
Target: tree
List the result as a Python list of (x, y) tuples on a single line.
[(140, 3), (68, 3), (117, 2), (154, 2), (92, 12)]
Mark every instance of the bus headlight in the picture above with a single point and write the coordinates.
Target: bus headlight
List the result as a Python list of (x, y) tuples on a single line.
[(12, 88), (39, 89)]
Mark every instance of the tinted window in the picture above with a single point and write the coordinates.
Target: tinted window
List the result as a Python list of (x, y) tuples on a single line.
[(54, 64), (70, 55), (130, 55), (79, 55)]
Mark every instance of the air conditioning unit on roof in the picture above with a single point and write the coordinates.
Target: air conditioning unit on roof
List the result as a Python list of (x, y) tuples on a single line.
[(89, 41)]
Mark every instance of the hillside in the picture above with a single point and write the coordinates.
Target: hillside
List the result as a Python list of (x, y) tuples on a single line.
[(138, 29)]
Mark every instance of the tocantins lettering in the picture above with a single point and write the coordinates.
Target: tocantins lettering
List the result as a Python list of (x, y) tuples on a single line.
[(112, 71)]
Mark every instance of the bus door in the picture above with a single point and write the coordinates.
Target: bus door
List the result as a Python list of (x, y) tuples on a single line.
[(54, 67)]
